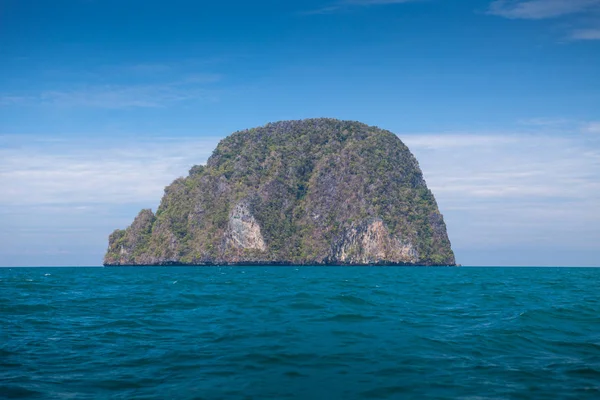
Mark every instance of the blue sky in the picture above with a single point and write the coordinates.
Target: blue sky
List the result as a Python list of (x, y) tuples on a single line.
[(103, 103)]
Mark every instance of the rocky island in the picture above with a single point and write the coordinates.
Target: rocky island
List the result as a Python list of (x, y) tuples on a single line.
[(309, 192)]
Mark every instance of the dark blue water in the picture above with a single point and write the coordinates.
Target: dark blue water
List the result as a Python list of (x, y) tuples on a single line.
[(303, 333)]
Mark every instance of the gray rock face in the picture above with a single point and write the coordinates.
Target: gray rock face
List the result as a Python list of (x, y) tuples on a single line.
[(318, 191), (243, 231), (372, 243)]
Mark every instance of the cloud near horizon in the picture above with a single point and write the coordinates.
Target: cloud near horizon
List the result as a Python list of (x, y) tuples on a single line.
[(37, 172), (504, 189), (62, 197)]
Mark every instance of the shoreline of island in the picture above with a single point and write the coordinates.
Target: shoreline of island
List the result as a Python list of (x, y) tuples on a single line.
[(277, 264)]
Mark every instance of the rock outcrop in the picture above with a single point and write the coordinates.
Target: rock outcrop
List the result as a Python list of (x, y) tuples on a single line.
[(317, 191), (243, 231), (371, 242)]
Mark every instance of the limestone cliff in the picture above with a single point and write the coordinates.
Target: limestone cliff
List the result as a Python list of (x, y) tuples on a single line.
[(243, 231), (371, 242), (317, 191)]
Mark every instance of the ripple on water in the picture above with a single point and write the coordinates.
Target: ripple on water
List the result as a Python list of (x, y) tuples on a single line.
[(351, 299), (19, 392)]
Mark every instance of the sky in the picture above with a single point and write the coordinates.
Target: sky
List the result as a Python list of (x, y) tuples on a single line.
[(105, 102)]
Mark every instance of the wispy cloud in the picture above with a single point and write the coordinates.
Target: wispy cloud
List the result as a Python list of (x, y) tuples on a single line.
[(119, 96), (499, 165), (347, 4), (514, 189), (552, 9), (562, 125), (545, 122), (124, 96), (586, 34), (11, 100), (66, 195), (374, 2), (129, 86), (147, 68), (447, 141), (592, 127), (80, 172), (539, 9)]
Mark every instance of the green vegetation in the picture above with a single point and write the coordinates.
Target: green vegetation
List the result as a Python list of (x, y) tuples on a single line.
[(312, 186)]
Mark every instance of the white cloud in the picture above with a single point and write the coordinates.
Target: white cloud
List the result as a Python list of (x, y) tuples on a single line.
[(592, 127), (11, 100), (586, 34), (509, 190), (539, 9), (546, 122), (62, 197), (123, 96), (115, 96), (147, 68), (80, 172), (562, 125), (345, 4), (447, 141), (149, 94), (500, 166), (374, 2)]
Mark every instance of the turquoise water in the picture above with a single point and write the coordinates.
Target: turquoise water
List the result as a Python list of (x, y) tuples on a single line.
[(300, 333)]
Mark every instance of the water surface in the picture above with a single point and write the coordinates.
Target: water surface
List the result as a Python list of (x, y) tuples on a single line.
[(300, 333)]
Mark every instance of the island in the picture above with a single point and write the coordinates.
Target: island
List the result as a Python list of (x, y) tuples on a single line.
[(307, 192)]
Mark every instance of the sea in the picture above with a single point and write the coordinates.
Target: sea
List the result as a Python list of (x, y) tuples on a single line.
[(300, 333)]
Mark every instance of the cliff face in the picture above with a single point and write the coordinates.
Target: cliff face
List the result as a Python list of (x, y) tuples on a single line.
[(318, 191)]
